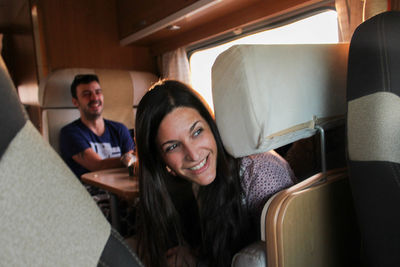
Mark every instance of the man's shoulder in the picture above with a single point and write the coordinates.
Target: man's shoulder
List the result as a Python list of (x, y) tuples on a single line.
[(72, 125), (114, 124)]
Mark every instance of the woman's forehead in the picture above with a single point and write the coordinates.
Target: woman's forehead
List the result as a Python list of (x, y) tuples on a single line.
[(179, 121)]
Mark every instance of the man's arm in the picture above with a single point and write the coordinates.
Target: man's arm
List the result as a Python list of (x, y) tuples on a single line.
[(90, 160)]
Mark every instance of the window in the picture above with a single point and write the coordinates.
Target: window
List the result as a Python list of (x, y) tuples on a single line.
[(320, 28)]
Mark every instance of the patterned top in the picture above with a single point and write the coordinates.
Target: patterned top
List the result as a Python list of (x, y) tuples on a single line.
[(263, 175)]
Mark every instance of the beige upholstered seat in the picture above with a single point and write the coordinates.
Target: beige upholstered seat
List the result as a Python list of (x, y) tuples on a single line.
[(267, 96), (122, 91), (47, 216)]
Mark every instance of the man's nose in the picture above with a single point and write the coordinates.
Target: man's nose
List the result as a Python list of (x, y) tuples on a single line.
[(94, 97)]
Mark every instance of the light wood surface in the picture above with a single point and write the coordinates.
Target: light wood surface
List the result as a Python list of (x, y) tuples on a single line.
[(116, 181), (312, 223)]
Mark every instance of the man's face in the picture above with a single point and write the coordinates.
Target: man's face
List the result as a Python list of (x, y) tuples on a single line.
[(89, 100)]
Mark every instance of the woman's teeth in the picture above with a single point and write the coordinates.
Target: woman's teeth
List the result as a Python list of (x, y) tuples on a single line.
[(201, 164)]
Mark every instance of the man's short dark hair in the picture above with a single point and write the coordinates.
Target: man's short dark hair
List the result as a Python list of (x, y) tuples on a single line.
[(82, 79)]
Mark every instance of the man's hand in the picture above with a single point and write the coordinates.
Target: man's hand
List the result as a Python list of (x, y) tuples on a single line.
[(128, 159)]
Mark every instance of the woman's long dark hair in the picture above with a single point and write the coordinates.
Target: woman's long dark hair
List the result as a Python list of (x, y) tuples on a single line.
[(223, 218)]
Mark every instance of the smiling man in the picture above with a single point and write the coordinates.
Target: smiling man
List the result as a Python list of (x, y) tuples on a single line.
[(91, 142)]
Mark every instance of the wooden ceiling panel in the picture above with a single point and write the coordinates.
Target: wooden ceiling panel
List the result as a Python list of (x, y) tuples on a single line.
[(226, 17), (13, 16)]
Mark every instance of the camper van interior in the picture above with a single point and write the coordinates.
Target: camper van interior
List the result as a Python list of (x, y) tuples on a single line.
[(317, 81)]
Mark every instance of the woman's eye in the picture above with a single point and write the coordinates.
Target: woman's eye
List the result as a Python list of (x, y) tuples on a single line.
[(171, 147), (198, 132)]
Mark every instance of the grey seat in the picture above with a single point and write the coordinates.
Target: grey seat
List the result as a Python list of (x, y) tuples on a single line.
[(47, 216), (373, 134)]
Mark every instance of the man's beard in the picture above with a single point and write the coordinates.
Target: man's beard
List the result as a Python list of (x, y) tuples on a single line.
[(92, 116)]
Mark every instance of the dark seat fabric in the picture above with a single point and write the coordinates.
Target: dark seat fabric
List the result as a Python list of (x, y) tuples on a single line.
[(373, 133), (47, 217), (117, 253)]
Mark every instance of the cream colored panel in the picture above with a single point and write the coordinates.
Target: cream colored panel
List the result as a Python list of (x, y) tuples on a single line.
[(374, 128), (142, 81), (47, 216), (266, 96), (53, 121), (118, 96), (54, 90)]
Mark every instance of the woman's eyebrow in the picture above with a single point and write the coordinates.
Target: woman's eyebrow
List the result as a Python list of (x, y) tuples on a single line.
[(167, 142), (190, 130), (193, 126)]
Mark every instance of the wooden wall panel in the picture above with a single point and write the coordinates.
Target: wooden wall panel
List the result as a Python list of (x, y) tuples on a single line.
[(85, 34)]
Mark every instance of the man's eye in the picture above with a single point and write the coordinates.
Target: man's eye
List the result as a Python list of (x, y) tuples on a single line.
[(198, 132), (171, 147)]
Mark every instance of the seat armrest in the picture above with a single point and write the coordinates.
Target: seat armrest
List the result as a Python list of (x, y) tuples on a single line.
[(264, 215)]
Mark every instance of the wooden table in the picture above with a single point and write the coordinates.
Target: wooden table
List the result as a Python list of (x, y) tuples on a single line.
[(118, 183)]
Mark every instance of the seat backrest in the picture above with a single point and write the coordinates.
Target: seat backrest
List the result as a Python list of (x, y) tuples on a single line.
[(279, 93), (373, 135), (47, 216), (267, 96), (122, 91)]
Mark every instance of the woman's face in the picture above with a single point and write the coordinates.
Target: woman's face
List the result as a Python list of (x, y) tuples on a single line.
[(188, 146)]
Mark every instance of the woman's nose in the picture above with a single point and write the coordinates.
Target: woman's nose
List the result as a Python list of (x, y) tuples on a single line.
[(192, 152)]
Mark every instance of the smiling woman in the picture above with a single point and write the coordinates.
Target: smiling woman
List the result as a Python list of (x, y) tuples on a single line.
[(188, 146), (178, 140)]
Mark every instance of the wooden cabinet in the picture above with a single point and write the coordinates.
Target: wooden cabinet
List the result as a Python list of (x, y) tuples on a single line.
[(139, 15)]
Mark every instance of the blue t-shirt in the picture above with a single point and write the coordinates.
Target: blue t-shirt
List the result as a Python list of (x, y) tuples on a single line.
[(77, 137)]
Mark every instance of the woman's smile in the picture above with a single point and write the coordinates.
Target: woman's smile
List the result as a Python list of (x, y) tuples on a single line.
[(199, 166), (187, 145)]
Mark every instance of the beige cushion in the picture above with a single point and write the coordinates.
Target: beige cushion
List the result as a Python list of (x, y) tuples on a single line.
[(266, 96), (53, 121), (375, 138), (47, 216)]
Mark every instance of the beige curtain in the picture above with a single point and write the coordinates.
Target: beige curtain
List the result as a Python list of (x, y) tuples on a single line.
[(2, 64), (374, 7), (175, 65), (350, 13)]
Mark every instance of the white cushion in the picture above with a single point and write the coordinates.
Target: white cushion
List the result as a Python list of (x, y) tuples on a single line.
[(266, 96), (253, 255)]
